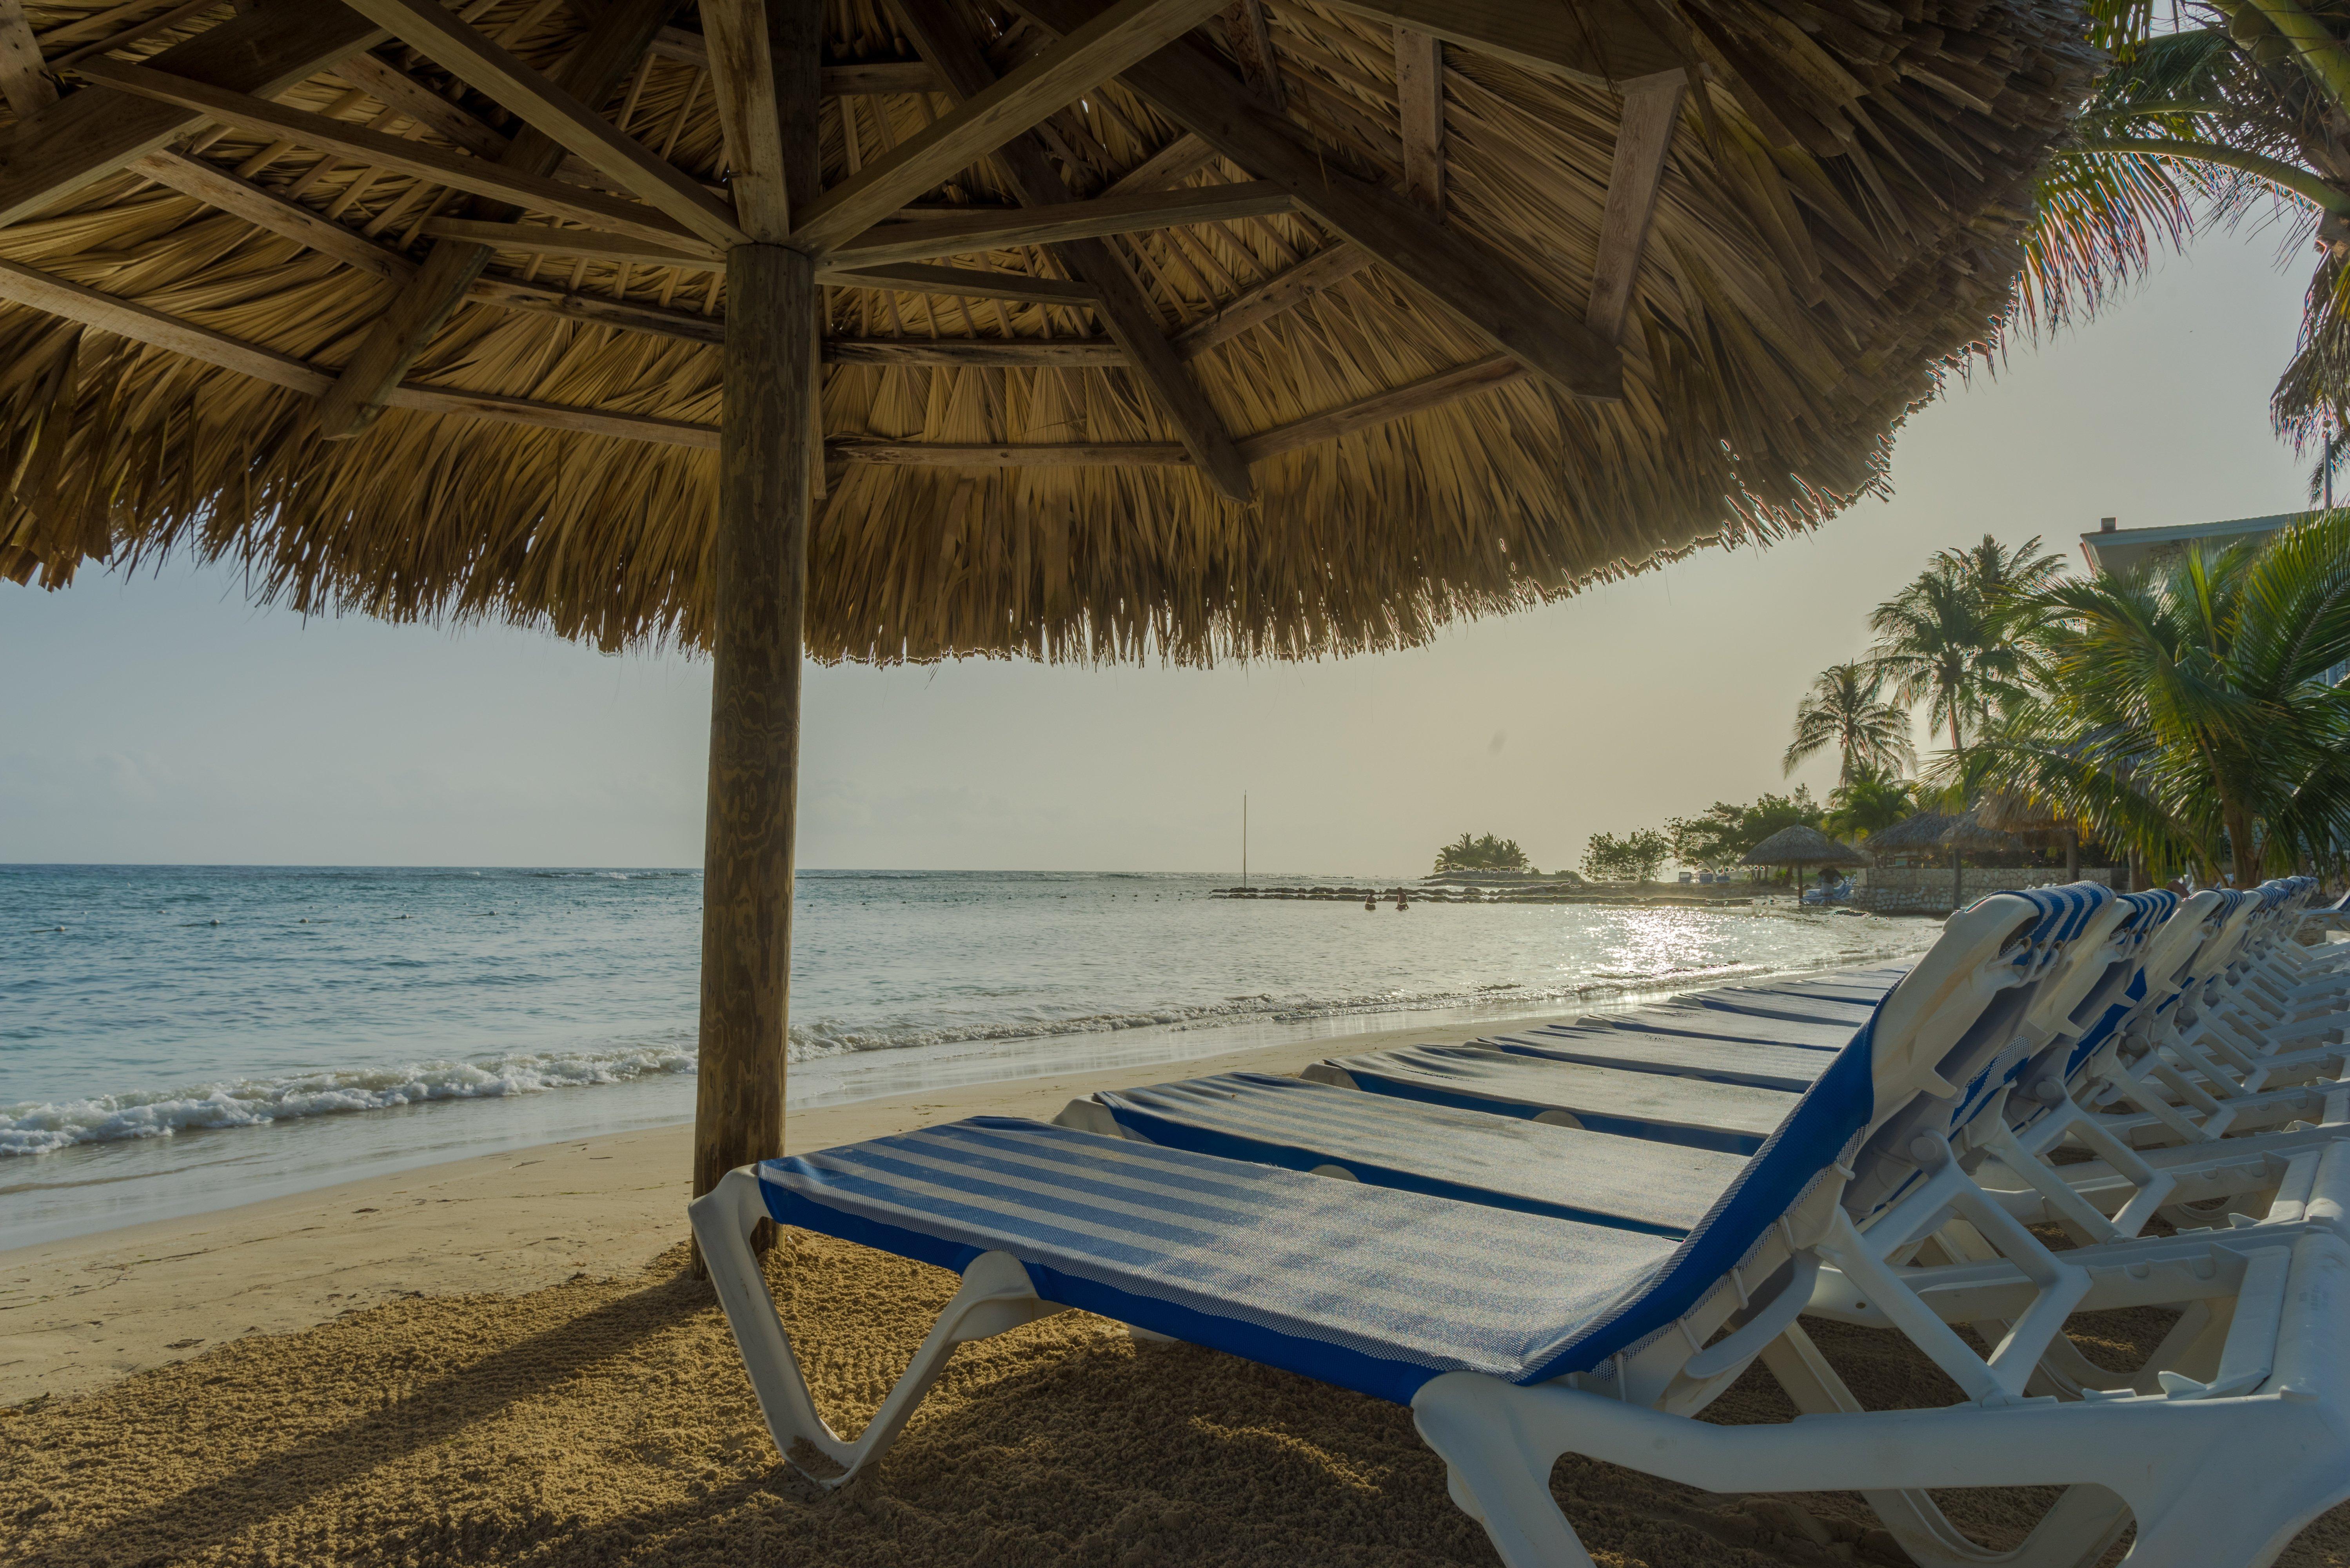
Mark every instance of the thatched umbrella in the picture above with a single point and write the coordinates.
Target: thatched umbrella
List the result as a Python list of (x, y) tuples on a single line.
[(1800, 845), (1962, 833), (1069, 330), (2031, 820)]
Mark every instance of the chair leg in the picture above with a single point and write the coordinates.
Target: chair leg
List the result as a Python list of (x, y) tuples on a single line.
[(1496, 1475), (996, 1295)]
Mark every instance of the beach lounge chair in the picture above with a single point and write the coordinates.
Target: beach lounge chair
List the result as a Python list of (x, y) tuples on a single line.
[(1516, 1338), (1725, 1088)]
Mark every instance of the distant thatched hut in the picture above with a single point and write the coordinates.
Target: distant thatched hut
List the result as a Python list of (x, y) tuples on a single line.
[(1802, 845)]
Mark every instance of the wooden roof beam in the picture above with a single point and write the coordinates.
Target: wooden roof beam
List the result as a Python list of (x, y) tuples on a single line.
[(945, 37), (547, 106), (88, 135), (972, 283), (1121, 34), (266, 209), (395, 89), (1479, 290), (1596, 42), (502, 182), (1284, 291), (1419, 99), (1251, 46), (612, 46), (1059, 354), (1170, 165), (1383, 408), (1652, 107), (141, 324), (965, 234), (21, 83), (851, 78), (742, 80), (545, 239)]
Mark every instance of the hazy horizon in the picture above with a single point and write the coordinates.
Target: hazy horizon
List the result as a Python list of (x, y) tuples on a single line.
[(164, 721)]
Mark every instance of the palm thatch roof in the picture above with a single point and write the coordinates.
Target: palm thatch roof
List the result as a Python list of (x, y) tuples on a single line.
[(1804, 845), (2004, 812), (418, 312), (1931, 831)]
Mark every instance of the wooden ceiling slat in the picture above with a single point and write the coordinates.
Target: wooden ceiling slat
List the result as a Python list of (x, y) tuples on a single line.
[(84, 138), (419, 160), (1120, 35), (1652, 107), (465, 52), (21, 82), (963, 235), (1477, 289), (615, 42)]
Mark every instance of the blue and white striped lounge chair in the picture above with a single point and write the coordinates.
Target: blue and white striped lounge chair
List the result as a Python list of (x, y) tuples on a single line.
[(1589, 1087), (1516, 1338)]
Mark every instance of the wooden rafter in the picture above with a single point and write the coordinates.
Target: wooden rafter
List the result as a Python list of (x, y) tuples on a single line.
[(266, 209), (1596, 41), (971, 283), (141, 324), (1125, 313), (1284, 291), (545, 239), (28, 90), (398, 337), (1478, 289), (1651, 109), (653, 320), (1170, 165), (1087, 57), (1383, 408), (965, 234), (1420, 98), (853, 80), (1251, 46), (499, 181), (1062, 354), (86, 137), (471, 56), (742, 80), (395, 89), (941, 454)]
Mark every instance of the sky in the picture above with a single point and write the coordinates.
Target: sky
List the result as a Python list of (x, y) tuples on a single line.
[(166, 719)]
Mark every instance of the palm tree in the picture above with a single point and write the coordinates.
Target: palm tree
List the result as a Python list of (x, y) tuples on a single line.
[(1869, 801), (1843, 708), (2245, 104), (2188, 716), (1956, 638)]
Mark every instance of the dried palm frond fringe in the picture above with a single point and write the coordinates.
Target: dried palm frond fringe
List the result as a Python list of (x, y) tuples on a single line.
[(1840, 221)]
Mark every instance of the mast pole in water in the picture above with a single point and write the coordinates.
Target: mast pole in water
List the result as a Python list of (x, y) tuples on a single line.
[(1243, 838)]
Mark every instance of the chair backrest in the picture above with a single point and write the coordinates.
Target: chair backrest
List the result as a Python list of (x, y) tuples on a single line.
[(1932, 1023), (2151, 948)]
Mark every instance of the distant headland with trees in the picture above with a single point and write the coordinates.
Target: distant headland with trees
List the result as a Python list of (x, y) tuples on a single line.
[(2187, 718)]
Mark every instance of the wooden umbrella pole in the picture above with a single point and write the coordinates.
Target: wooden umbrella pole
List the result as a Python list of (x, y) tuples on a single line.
[(760, 572)]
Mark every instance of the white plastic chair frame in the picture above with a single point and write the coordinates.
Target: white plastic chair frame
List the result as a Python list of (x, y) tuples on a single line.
[(1500, 1440)]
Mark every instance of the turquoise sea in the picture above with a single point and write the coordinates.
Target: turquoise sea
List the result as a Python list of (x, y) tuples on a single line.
[(178, 1038)]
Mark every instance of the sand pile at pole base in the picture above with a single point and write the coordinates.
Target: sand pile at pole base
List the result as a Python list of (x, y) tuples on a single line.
[(608, 1421)]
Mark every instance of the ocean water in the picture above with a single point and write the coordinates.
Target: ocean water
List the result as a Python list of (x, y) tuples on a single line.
[(178, 1038)]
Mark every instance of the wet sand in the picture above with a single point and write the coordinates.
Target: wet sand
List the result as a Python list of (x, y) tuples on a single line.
[(502, 1360)]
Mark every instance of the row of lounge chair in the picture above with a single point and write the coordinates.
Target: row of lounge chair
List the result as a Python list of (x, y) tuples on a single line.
[(1573, 1238)]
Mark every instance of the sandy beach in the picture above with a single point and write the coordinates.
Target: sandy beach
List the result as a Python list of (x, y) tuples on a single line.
[(501, 1360)]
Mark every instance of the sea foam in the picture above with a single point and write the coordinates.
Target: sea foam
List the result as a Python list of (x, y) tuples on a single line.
[(42, 1127)]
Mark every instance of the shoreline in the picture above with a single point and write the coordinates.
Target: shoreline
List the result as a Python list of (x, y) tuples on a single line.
[(79, 1313), (96, 1186)]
